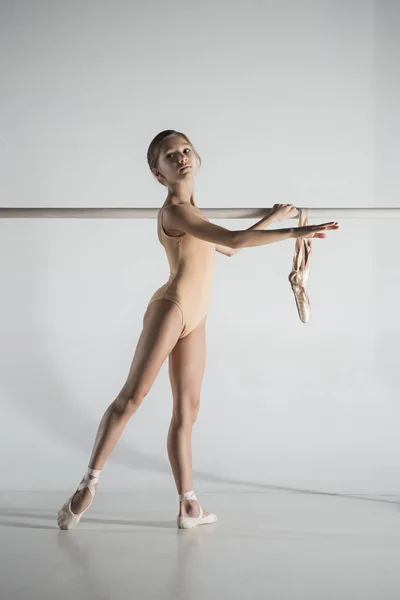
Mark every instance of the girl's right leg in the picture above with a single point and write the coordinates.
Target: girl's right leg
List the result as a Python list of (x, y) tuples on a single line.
[(162, 325)]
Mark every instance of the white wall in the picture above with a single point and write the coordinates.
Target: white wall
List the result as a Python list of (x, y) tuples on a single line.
[(286, 102)]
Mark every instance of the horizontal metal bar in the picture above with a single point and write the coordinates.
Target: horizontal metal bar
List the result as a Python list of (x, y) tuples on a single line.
[(212, 213)]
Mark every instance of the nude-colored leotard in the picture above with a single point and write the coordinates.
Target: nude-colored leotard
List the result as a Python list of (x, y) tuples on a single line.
[(191, 263)]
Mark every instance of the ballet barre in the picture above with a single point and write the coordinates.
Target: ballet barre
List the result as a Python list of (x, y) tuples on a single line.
[(326, 214)]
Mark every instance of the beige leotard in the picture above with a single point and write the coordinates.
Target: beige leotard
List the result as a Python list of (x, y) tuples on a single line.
[(191, 263)]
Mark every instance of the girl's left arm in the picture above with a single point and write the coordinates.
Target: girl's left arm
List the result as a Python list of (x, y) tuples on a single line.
[(262, 224)]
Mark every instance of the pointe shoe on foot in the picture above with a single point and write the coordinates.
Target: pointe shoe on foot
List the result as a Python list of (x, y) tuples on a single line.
[(189, 522), (301, 269), (66, 519)]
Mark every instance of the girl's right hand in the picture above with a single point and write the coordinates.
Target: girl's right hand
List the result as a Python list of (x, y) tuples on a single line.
[(315, 231)]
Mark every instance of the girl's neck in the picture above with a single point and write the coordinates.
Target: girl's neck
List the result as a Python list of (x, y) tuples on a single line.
[(177, 201)]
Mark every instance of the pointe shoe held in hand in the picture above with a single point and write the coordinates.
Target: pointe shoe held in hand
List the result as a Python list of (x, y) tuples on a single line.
[(301, 269)]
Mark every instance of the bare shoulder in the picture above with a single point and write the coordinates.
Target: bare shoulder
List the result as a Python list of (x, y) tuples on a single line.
[(169, 218), (176, 212), (183, 207)]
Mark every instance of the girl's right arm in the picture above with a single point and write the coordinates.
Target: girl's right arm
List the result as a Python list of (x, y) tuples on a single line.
[(187, 219), (249, 238)]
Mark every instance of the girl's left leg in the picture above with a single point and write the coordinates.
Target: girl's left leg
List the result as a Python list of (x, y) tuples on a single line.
[(186, 369)]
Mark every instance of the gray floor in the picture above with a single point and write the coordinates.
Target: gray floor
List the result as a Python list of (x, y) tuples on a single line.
[(265, 545)]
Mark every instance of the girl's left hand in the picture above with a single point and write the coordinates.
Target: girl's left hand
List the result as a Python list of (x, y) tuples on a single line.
[(280, 212)]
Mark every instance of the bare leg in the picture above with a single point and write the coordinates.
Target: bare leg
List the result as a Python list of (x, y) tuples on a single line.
[(162, 325), (186, 370), (179, 444)]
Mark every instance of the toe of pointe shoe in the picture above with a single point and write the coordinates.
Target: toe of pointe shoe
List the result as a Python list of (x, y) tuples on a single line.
[(189, 522), (66, 519), (302, 303)]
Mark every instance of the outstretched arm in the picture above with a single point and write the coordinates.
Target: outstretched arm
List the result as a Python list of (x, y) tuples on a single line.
[(190, 220), (186, 218), (262, 224)]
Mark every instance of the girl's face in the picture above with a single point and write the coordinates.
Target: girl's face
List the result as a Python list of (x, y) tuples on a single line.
[(177, 160)]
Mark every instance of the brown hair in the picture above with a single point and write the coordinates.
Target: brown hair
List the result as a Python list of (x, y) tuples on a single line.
[(153, 152)]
